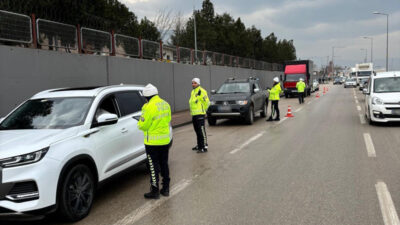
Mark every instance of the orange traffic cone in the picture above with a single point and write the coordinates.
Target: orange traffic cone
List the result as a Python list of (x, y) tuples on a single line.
[(289, 112), (317, 95), (324, 90)]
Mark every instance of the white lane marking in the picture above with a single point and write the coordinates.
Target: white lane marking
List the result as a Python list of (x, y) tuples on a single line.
[(152, 205), (359, 108), (309, 102), (282, 120), (355, 97), (299, 109), (362, 119), (370, 145), (357, 101), (388, 210), (248, 142)]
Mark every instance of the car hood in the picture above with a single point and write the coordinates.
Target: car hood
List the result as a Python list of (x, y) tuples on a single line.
[(229, 97), (19, 142), (389, 97)]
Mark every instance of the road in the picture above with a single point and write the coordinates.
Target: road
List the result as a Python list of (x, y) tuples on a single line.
[(323, 166)]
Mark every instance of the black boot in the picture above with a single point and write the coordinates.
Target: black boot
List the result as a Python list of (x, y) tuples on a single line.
[(195, 148), (269, 119), (165, 190), (153, 194)]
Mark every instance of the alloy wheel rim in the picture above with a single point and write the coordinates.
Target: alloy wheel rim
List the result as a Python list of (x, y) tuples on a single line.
[(80, 192)]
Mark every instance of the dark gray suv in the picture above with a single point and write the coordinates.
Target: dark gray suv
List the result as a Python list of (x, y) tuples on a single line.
[(237, 98)]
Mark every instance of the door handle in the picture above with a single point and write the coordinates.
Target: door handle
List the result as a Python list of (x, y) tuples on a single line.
[(124, 130)]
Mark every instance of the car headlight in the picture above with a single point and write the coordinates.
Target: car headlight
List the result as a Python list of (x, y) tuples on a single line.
[(212, 102), (377, 101), (241, 102), (24, 159)]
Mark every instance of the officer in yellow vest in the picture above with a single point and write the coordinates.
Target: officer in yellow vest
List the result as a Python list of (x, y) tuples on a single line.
[(300, 90), (274, 97), (199, 103), (155, 123)]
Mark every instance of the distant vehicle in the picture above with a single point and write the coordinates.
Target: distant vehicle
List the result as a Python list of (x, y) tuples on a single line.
[(362, 83), (382, 97), (350, 82), (363, 71), (315, 86), (60, 144), (337, 80), (237, 98), (343, 80), (294, 70)]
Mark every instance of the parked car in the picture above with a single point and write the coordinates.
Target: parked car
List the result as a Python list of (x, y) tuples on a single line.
[(315, 85), (350, 82), (237, 98), (60, 144), (363, 83), (382, 97)]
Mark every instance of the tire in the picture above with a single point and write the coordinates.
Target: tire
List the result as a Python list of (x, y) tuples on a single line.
[(250, 116), (76, 193), (264, 111), (212, 121), (286, 95)]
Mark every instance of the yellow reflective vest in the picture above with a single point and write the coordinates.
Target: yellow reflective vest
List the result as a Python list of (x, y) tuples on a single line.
[(155, 122), (300, 86), (198, 101), (274, 93)]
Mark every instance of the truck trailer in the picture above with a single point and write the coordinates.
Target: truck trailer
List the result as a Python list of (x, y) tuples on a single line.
[(294, 70)]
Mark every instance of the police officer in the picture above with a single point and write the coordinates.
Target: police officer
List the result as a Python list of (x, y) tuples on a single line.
[(155, 123), (274, 97), (199, 103), (300, 90)]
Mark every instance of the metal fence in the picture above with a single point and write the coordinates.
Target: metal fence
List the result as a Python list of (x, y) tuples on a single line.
[(56, 35), (15, 27), (127, 46), (95, 41), (23, 29)]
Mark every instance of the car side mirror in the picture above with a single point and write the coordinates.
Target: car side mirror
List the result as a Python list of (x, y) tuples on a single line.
[(213, 92), (365, 91), (106, 119), (256, 90)]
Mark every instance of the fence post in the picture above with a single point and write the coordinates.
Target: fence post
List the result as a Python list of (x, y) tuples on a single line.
[(78, 33), (34, 36), (112, 43), (192, 56), (178, 54), (204, 57), (140, 48), (161, 51)]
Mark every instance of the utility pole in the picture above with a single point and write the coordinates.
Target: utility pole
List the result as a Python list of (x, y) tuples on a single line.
[(195, 30), (387, 37)]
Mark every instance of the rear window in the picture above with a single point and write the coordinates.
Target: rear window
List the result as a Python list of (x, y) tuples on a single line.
[(294, 77)]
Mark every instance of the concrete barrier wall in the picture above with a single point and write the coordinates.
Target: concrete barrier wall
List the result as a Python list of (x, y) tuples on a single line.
[(24, 72)]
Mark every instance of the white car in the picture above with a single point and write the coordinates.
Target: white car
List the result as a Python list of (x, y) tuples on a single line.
[(315, 85), (350, 82), (57, 146), (382, 101)]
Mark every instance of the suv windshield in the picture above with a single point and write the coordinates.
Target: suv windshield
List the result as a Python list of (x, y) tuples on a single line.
[(385, 85), (52, 113), (351, 80), (228, 88), (294, 77), (364, 73)]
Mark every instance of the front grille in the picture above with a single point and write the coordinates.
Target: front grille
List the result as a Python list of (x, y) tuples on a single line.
[(389, 116), (23, 187), (392, 108)]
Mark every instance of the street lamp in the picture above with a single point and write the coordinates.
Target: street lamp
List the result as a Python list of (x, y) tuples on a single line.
[(333, 56), (195, 31), (387, 37), (364, 49), (372, 47)]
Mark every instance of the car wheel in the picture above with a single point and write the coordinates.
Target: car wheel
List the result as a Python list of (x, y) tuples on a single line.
[(286, 96), (264, 111), (77, 193), (212, 121), (250, 116)]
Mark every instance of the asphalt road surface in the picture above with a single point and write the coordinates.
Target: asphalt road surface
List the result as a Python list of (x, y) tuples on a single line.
[(323, 166)]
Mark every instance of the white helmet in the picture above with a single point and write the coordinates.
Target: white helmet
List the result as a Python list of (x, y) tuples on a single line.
[(276, 79), (150, 90), (197, 80), (301, 79)]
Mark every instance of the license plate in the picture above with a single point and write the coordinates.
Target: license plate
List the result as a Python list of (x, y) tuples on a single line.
[(396, 112), (294, 91), (224, 108)]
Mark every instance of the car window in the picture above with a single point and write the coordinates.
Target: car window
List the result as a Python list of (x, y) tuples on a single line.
[(386, 85), (129, 102), (106, 106), (229, 88)]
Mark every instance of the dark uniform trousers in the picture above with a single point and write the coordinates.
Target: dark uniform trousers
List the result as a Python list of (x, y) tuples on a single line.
[(275, 109), (200, 129), (301, 97), (158, 162)]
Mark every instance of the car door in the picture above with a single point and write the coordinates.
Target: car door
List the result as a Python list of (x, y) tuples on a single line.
[(368, 96), (258, 97)]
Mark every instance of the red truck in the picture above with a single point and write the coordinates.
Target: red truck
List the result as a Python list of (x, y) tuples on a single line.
[(294, 70)]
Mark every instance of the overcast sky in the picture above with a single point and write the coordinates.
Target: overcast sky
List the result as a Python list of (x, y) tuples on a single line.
[(314, 25)]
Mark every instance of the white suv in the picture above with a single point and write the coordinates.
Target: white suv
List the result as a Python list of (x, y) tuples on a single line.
[(57, 146), (382, 101)]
